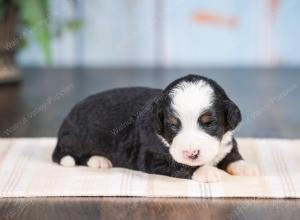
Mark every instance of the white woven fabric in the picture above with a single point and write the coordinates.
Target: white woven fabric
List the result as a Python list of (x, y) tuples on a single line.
[(26, 170)]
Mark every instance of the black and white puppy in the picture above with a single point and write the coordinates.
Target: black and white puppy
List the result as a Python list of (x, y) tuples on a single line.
[(183, 131)]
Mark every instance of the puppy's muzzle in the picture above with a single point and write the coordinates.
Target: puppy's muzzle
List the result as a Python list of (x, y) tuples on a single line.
[(191, 154)]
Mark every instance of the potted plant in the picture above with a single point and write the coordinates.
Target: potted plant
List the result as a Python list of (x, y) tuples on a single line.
[(18, 18)]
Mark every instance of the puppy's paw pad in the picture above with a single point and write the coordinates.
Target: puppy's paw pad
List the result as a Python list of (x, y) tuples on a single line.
[(208, 174), (242, 168), (99, 162), (67, 161)]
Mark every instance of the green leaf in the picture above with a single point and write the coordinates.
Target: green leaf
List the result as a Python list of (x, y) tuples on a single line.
[(35, 15)]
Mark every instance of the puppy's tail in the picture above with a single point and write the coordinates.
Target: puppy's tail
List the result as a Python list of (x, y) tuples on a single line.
[(57, 154)]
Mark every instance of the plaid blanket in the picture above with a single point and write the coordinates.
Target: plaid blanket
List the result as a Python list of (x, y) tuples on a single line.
[(26, 170)]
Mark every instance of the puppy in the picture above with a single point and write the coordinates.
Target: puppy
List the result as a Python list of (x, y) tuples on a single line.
[(183, 131)]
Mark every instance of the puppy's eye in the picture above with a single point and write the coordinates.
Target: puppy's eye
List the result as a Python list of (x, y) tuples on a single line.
[(206, 119)]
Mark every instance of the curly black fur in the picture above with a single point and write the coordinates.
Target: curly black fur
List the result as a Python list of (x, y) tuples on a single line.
[(122, 125)]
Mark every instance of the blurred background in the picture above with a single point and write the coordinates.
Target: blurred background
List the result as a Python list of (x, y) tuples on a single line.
[(65, 50), (151, 33)]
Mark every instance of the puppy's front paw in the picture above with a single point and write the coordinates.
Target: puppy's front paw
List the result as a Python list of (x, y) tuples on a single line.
[(242, 168), (208, 174)]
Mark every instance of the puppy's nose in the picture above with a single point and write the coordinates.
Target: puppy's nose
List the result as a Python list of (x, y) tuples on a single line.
[(191, 154)]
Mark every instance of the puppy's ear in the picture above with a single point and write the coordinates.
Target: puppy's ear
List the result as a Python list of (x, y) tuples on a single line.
[(232, 115), (157, 116)]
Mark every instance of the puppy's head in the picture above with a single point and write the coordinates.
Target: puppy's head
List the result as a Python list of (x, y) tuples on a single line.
[(194, 118)]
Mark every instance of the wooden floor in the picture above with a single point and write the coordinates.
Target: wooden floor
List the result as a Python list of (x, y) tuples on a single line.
[(269, 100)]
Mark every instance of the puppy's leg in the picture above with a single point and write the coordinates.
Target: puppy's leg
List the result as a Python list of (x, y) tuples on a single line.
[(96, 161), (242, 168), (165, 165), (234, 164)]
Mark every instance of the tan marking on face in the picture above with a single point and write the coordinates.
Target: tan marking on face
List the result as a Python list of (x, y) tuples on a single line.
[(173, 120), (205, 118)]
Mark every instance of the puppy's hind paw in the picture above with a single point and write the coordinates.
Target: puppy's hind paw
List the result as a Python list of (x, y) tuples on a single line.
[(99, 162), (242, 168)]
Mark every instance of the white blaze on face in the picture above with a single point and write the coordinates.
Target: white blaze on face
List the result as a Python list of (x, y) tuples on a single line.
[(190, 100)]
